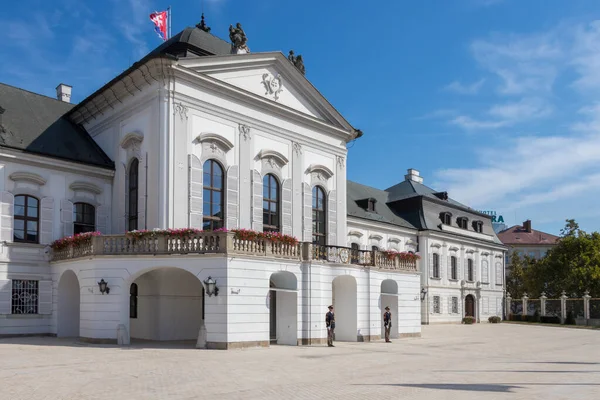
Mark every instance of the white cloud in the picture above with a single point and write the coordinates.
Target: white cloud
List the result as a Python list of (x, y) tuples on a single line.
[(460, 88), (469, 123)]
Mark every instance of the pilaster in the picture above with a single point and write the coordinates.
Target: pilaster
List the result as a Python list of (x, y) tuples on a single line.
[(340, 186), (180, 179), (245, 150), (297, 179)]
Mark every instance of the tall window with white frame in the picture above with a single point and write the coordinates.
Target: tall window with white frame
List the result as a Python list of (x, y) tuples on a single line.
[(271, 208), (453, 268), (26, 219), (319, 221), (436, 266), (212, 195), (470, 272), (133, 195), (84, 218)]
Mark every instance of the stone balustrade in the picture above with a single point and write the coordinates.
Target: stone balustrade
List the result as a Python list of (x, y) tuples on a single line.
[(226, 243)]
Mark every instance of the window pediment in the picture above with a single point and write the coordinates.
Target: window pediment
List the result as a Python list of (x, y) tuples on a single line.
[(28, 177), (214, 139), (273, 158), (453, 248), (320, 169), (394, 240), (375, 236), (85, 187), (355, 233), (485, 253), (132, 139), (436, 245)]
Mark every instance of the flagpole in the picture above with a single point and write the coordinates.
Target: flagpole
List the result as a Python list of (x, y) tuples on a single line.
[(169, 26)]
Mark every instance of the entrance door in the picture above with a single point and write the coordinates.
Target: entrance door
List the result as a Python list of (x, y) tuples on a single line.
[(469, 306)]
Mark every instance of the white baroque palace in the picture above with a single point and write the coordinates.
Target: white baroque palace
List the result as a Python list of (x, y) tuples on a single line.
[(198, 135)]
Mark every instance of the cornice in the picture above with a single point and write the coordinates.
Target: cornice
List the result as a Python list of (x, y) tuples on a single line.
[(85, 187), (29, 177)]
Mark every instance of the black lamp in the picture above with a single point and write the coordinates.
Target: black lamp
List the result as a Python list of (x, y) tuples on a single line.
[(423, 293), (211, 287), (103, 287)]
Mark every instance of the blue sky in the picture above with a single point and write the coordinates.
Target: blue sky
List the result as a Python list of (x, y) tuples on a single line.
[(495, 101)]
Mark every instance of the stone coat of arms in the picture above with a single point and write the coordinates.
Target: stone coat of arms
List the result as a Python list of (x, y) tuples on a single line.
[(273, 85)]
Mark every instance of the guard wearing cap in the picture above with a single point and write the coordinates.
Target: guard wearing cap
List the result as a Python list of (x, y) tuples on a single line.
[(330, 323), (387, 323)]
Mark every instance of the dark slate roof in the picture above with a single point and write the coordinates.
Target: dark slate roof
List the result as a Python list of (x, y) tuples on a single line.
[(36, 124), (518, 235), (357, 192), (407, 189), (192, 42)]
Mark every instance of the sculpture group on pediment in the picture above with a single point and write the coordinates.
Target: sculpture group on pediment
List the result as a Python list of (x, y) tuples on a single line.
[(297, 61), (238, 39)]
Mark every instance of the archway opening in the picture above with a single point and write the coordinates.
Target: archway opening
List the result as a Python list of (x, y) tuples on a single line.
[(68, 305), (283, 308), (166, 304), (469, 306), (345, 308), (389, 298)]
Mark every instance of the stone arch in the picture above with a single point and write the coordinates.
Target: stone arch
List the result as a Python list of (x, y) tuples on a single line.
[(344, 296), (283, 308), (69, 309)]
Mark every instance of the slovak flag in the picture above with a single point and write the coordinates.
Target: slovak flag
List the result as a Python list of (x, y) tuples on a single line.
[(160, 23)]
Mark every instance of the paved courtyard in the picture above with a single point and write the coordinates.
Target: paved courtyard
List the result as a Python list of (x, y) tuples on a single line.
[(448, 362)]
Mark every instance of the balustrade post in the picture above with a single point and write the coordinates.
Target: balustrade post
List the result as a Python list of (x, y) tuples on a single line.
[(227, 245), (508, 305), (563, 307), (162, 244), (306, 250), (586, 305), (524, 298), (543, 299), (269, 247), (97, 245)]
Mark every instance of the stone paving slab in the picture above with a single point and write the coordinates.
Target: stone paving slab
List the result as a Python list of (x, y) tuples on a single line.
[(449, 362)]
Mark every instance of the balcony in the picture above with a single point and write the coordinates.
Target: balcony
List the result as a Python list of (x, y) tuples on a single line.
[(226, 243)]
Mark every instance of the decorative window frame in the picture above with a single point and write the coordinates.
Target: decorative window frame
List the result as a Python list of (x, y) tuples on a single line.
[(27, 183), (410, 245), (85, 192), (319, 175), (272, 162), (394, 243), (443, 216), (439, 258), (375, 239), (132, 144), (354, 237), (214, 147), (462, 218)]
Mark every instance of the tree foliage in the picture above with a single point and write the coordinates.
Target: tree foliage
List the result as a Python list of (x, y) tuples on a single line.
[(573, 266)]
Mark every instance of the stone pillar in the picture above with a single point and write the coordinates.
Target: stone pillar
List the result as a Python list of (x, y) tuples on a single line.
[(586, 305), (508, 301), (563, 307), (524, 298), (543, 299)]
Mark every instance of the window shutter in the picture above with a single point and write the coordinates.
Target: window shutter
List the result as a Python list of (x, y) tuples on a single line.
[(232, 196), (195, 190), (5, 296), (257, 201), (286, 207), (46, 220), (45, 297), (449, 267), (102, 213), (474, 271), (431, 265), (498, 273), (332, 218), (484, 271), (142, 169), (6, 217), (66, 217), (307, 213)]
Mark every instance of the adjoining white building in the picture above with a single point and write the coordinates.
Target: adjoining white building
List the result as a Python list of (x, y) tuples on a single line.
[(202, 134)]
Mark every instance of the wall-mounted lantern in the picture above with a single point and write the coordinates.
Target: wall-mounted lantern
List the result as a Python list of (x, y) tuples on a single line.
[(423, 293), (211, 287), (103, 287)]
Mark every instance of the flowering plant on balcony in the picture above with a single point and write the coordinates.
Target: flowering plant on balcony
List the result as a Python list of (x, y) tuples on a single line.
[(73, 240), (276, 237), (181, 232), (403, 255)]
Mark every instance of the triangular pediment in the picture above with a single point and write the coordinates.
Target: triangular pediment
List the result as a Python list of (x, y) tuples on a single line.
[(272, 77)]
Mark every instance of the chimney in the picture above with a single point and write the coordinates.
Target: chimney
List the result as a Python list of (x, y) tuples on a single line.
[(527, 225), (63, 92), (413, 175)]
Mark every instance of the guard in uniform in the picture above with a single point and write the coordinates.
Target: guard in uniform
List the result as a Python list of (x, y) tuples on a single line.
[(330, 323), (387, 323)]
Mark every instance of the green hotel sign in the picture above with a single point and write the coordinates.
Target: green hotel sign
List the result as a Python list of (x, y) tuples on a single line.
[(498, 219)]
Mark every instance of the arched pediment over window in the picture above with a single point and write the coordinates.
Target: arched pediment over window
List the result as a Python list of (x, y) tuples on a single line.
[(274, 155), (214, 139), (319, 169), (132, 139), (376, 236), (85, 187), (28, 177), (355, 233)]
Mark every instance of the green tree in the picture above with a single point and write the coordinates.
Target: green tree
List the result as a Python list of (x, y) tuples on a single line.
[(516, 276)]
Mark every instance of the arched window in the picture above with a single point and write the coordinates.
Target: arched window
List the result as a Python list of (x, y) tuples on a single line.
[(271, 209), (436, 265), (133, 298), (133, 195), (374, 248), (453, 268), (318, 216), (470, 270), (84, 218), (213, 209), (27, 219), (485, 271)]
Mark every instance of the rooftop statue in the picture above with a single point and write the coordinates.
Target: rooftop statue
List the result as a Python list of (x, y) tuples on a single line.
[(238, 39), (297, 61)]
